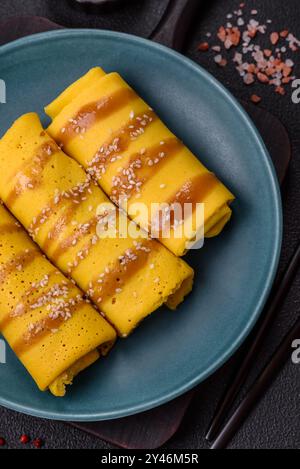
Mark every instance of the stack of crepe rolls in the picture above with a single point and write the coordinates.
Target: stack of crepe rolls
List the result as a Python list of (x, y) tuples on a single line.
[(57, 202), (52, 329), (104, 125)]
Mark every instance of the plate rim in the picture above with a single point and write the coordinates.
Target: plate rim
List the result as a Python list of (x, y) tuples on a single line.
[(27, 41)]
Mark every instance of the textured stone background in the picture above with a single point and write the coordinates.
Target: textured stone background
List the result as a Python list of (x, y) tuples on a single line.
[(275, 423)]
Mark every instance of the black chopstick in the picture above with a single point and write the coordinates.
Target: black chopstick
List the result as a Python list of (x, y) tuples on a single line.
[(283, 353), (280, 292)]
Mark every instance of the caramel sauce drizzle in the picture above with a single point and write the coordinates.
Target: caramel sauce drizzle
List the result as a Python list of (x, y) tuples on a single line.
[(196, 190), (18, 263), (33, 288), (109, 284), (193, 191), (119, 142), (84, 252), (84, 230), (26, 305), (82, 255), (29, 177), (43, 328), (71, 197), (58, 228), (141, 168), (94, 112), (10, 228)]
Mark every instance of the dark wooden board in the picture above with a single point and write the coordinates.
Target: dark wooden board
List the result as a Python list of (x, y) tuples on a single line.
[(148, 430), (153, 428)]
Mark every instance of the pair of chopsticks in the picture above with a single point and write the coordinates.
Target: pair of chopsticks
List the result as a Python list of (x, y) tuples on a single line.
[(221, 438)]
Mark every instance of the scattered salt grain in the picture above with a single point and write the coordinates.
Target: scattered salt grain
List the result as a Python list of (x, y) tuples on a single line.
[(218, 59), (266, 65)]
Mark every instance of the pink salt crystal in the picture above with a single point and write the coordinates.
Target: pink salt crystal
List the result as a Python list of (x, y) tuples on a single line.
[(238, 58), (218, 59), (249, 78), (274, 38)]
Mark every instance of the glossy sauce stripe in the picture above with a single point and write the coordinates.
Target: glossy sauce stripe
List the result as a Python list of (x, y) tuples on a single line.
[(109, 284), (18, 263), (192, 192), (195, 190), (30, 176), (141, 168), (101, 221), (71, 241), (41, 329), (94, 112), (24, 306), (10, 228), (71, 197), (119, 142)]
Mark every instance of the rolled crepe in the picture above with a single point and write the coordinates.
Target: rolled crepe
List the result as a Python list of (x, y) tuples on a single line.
[(43, 316), (127, 275), (133, 156)]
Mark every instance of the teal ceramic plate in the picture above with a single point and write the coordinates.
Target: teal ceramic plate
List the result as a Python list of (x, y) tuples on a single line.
[(170, 352)]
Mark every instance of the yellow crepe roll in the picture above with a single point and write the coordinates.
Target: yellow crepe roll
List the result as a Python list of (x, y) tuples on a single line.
[(126, 274), (43, 316), (133, 156)]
